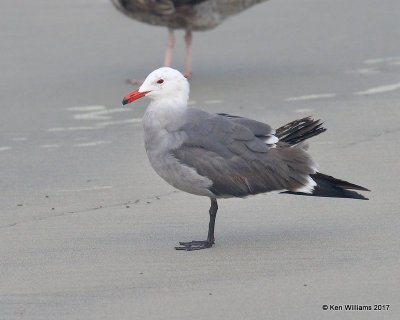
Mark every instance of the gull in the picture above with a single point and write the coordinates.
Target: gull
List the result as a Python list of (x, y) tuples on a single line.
[(225, 156)]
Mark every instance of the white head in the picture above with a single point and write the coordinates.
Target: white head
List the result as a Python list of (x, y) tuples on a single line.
[(163, 84)]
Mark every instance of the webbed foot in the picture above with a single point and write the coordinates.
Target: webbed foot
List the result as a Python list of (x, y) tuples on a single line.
[(195, 245)]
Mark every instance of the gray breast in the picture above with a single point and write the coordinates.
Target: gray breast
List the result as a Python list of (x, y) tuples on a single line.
[(159, 143)]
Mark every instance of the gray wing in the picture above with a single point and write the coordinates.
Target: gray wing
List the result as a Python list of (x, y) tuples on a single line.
[(259, 129), (229, 151)]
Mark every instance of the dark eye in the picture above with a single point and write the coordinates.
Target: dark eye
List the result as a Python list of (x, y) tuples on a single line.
[(160, 81)]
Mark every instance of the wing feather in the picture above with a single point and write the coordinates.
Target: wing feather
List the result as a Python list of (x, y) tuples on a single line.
[(235, 158)]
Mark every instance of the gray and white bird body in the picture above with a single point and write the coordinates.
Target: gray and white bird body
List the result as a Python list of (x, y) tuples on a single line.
[(223, 156)]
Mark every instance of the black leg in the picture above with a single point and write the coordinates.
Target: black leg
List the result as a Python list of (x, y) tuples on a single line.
[(198, 245)]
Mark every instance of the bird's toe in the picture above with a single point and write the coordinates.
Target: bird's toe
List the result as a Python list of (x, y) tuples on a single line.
[(188, 74), (194, 245)]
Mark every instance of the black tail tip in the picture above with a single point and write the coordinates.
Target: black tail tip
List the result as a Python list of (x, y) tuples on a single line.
[(344, 194), (331, 187)]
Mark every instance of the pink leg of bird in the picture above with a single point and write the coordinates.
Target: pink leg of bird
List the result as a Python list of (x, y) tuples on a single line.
[(188, 54), (169, 49), (168, 55)]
